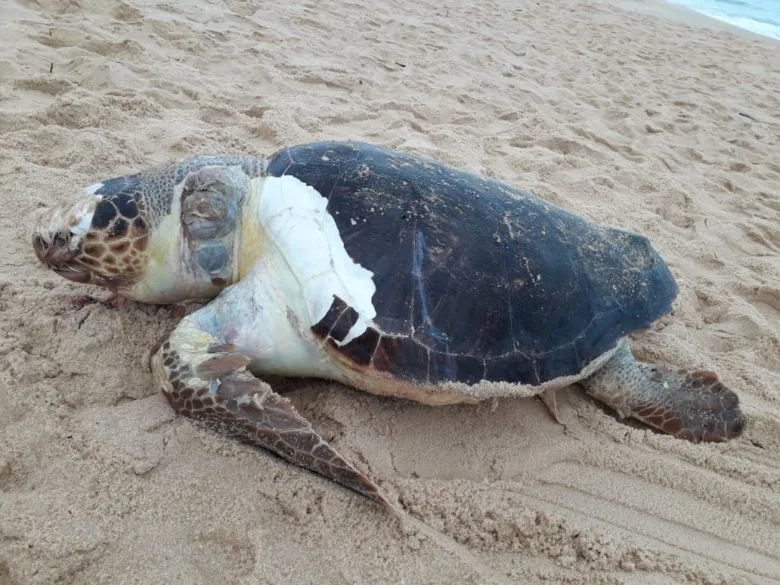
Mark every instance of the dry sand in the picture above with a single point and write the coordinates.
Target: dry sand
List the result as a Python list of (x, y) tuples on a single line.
[(623, 115)]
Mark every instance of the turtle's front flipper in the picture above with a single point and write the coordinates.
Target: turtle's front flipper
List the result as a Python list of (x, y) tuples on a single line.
[(205, 379), (691, 405)]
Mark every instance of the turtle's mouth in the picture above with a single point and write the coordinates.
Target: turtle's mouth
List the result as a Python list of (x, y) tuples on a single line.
[(54, 250), (58, 253), (73, 273), (76, 272), (83, 275), (61, 254)]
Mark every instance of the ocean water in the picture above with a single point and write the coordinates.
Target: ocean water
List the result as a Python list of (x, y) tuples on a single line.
[(758, 16)]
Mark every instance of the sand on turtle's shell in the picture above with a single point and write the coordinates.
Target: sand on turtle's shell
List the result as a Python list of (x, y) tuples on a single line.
[(641, 122)]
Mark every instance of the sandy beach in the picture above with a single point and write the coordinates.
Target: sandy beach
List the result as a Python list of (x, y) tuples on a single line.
[(637, 114)]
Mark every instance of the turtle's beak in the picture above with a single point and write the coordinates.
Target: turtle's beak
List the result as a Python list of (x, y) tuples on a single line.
[(58, 253), (54, 249), (74, 274)]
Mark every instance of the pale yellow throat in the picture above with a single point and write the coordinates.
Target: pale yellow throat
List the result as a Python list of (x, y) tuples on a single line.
[(251, 241), (162, 279)]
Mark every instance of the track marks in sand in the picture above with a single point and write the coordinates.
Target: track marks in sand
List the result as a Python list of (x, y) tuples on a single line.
[(618, 501), (506, 518), (672, 503), (601, 498)]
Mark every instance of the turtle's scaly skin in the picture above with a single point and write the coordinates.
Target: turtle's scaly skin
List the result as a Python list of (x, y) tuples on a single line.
[(690, 405), (117, 247)]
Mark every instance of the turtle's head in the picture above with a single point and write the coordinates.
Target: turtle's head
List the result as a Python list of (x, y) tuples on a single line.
[(164, 235), (101, 239)]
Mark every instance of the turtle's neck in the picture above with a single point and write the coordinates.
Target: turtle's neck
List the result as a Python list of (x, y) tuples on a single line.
[(251, 241)]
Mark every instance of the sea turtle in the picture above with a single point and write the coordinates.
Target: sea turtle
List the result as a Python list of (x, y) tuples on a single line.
[(384, 271)]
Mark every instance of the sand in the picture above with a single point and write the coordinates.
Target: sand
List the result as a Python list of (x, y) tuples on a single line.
[(640, 115)]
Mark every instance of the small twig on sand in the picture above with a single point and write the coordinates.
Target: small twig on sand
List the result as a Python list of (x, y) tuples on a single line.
[(748, 116)]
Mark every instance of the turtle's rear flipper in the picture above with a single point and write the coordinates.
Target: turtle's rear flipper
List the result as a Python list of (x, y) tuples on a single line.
[(691, 405), (219, 390)]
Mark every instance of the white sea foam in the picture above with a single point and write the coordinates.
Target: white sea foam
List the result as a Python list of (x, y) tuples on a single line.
[(759, 16)]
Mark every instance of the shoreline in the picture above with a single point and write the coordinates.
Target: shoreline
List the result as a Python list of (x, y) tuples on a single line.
[(687, 16)]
